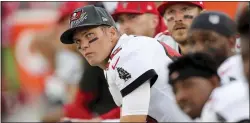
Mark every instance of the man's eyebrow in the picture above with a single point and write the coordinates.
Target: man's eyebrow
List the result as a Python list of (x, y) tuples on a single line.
[(82, 33), (170, 9)]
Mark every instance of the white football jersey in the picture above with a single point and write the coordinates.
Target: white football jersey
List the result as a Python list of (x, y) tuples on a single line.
[(167, 39), (133, 61), (228, 103), (232, 70)]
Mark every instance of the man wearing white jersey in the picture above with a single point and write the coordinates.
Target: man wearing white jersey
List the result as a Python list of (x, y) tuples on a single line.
[(197, 90), (215, 33), (136, 77), (179, 16)]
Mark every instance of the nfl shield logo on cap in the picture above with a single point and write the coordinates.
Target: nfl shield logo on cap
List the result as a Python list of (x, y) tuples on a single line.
[(76, 15)]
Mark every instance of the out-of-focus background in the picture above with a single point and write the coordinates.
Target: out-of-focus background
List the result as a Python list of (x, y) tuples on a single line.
[(25, 72)]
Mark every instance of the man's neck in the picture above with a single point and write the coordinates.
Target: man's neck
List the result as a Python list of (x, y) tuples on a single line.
[(183, 49), (104, 64), (231, 53), (151, 34)]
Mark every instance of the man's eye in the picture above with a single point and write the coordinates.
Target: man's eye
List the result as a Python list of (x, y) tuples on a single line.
[(77, 42), (184, 9), (89, 35), (132, 16), (170, 12), (170, 18), (120, 21)]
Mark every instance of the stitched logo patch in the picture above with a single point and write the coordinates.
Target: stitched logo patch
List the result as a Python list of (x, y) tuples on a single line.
[(123, 74)]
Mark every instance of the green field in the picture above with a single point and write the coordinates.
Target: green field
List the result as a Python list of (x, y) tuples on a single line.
[(9, 71)]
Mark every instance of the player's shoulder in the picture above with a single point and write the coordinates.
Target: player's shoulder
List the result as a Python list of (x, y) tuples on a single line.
[(231, 101), (223, 100), (230, 62), (133, 43), (164, 36), (129, 46), (229, 94), (161, 34), (232, 69), (138, 41)]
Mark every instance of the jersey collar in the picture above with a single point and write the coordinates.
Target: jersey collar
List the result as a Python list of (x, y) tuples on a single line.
[(118, 47)]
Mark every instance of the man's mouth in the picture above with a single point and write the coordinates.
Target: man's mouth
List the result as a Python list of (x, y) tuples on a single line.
[(179, 28), (87, 54)]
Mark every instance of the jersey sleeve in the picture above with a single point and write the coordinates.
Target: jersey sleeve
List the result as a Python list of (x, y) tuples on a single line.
[(139, 107), (228, 103), (133, 69)]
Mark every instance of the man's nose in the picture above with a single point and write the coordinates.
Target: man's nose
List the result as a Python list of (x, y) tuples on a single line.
[(84, 44), (179, 17)]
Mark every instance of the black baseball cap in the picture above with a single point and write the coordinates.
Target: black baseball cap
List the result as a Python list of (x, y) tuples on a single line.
[(86, 16), (215, 21)]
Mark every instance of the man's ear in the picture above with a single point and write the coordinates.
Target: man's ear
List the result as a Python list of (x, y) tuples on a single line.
[(215, 81), (155, 20), (232, 42), (113, 33), (204, 10)]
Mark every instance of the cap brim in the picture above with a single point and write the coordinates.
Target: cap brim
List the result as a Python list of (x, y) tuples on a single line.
[(161, 9), (67, 36), (126, 11), (164, 6)]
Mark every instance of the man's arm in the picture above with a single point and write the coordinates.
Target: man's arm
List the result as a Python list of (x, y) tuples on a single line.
[(136, 104)]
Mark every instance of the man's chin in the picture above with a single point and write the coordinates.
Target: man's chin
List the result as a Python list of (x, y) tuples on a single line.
[(92, 62), (180, 39), (180, 36)]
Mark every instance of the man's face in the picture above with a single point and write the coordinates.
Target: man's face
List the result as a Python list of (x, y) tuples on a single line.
[(210, 42), (191, 94), (245, 56), (94, 44), (178, 19), (136, 24)]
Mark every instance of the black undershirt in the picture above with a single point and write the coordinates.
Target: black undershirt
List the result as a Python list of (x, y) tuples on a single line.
[(93, 80)]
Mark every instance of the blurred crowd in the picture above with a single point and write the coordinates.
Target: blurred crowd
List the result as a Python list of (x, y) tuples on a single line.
[(44, 80)]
